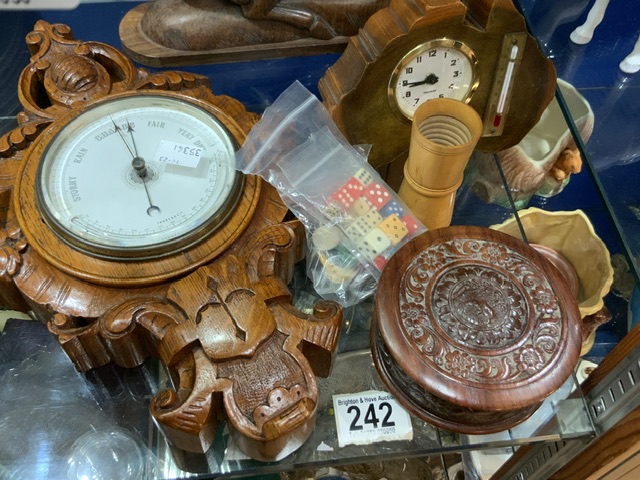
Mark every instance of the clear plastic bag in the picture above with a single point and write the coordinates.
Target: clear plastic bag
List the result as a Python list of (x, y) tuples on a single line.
[(354, 221)]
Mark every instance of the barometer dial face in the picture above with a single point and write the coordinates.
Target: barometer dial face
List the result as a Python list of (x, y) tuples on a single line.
[(138, 176), (441, 68)]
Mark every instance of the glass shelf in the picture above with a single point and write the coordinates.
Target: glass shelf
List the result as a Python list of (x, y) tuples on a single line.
[(607, 188), (613, 150), (48, 405)]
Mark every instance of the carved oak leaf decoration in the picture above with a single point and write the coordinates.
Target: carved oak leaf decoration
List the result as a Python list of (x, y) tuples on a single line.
[(13, 243)]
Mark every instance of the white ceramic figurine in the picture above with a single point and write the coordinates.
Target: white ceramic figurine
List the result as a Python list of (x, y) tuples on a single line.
[(584, 33)]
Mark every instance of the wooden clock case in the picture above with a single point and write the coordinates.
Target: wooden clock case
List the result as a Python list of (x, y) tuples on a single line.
[(356, 89), (218, 313)]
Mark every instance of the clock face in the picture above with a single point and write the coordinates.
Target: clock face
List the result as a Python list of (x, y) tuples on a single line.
[(138, 176), (437, 69)]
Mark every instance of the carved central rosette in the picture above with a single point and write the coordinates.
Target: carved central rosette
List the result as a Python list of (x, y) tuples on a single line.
[(479, 310)]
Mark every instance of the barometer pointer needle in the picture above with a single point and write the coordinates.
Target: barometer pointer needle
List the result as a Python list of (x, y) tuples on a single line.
[(138, 165)]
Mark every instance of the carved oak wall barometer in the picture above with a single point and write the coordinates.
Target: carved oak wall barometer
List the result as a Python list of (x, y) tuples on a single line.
[(128, 230), (182, 187)]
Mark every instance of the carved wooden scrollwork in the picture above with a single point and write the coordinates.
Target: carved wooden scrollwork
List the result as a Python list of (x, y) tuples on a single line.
[(238, 348), (243, 332), (12, 243), (65, 72)]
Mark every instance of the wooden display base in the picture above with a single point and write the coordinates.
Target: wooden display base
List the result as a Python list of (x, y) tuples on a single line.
[(141, 47)]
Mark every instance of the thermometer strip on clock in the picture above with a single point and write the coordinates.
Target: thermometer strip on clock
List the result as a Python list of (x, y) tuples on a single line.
[(502, 88)]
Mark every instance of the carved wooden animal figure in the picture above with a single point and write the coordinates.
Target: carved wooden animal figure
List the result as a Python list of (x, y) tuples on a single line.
[(323, 19)]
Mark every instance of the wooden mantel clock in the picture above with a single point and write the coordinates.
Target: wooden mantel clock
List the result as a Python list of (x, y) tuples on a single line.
[(475, 51), (126, 228)]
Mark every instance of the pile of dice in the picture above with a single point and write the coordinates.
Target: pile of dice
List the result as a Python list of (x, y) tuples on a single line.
[(372, 217)]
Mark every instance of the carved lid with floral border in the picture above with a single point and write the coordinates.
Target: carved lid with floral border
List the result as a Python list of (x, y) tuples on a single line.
[(478, 318)]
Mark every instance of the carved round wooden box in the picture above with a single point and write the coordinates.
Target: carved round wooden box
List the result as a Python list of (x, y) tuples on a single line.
[(472, 329)]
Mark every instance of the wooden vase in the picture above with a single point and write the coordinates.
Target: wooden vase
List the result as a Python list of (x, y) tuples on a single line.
[(443, 136)]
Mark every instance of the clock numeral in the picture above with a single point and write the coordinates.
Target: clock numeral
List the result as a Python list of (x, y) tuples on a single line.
[(456, 73), (408, 70), (432, 53), (454, 62), (408, 94), (419, 59), (441, 95), (452, 86), (405, 83), (415, 101)]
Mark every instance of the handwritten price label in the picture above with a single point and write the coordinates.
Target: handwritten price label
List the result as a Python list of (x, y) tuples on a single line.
[(38, 4), (178, 154), (369, 417)]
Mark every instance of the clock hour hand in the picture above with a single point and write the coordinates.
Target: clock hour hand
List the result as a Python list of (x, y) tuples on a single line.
[(430, 79)]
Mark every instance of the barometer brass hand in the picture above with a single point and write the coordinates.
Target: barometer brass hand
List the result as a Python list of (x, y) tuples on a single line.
[(138, 165), (124, 140)]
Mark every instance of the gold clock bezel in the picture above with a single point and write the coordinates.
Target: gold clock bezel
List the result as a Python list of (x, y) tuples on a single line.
[(429, 45)]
